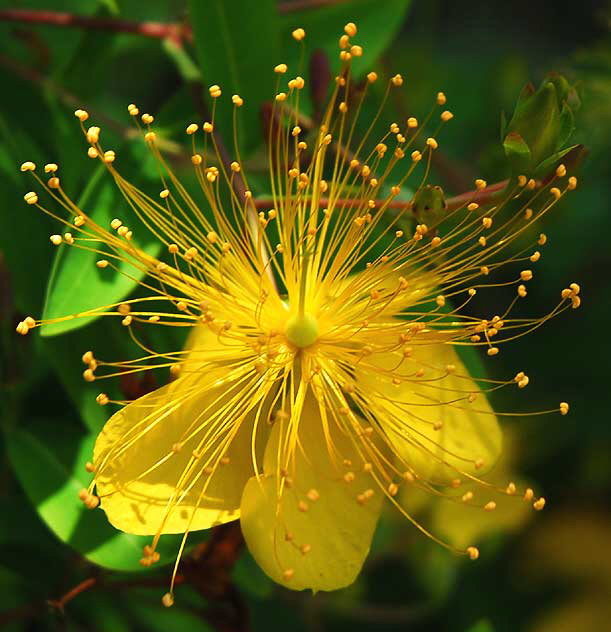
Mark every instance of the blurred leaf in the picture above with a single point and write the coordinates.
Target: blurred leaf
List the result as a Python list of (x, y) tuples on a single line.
[(20, 240), (378, 22), (236, 44), (481, 626), (52, 479), (76, 285), (65, 353), (157, 618)]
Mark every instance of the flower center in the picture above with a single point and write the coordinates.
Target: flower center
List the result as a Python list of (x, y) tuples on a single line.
[(302, 330)]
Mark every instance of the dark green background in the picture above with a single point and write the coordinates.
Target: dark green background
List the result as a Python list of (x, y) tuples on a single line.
[(554, 574)]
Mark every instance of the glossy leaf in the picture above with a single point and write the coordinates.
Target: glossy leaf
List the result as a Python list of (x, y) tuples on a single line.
[(76, 284), (52, 475), (377, 22), (237, 49)]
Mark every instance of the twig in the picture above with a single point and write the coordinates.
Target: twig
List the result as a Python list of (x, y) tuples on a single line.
[(86, 584), (481, 196), (159, 30)]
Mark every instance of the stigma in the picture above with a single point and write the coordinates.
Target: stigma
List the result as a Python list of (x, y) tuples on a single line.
[(301, 330)]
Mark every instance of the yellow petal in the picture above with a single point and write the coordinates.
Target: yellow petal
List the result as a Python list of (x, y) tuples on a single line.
[(429, 421), (179, 457), (313, 534)]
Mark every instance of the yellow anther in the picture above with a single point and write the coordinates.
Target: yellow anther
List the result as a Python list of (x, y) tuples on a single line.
[(298, 34), (560, 171), (555, 191), (102, 263), (147, 119), (572, 183), (473, 206), (535, 256), (215, 91), (467, 497), (416, 156), (350, 29), (92, 152), (150, 137), (511, 489), (192, 128), (109, 156), (472, 552), (490, 506), (56, 240), (522, 292), (196, 159), (529, 494), (539, 504), (28, 166), (440, 300), (372, 77), (88, 375), (208, 127), (313, 495), (102, 399), (564, 408), (280, 69), (397, 80), (432, 143), (356, 51), (212, 237), (237, 100), (542, 239), (81, 115), (526, 275), (168, 600), (446, 115), (31, 197), (133, 110), (480, 184), (127, 321)]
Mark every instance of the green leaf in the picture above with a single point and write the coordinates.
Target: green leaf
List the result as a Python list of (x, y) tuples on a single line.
[(76, 285), (517, 151), (22, 228), (236, 44), (325, 25), (65, 353), (52, 472), (481, 626)]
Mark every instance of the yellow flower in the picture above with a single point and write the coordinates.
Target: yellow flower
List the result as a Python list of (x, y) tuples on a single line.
[(321, 374)]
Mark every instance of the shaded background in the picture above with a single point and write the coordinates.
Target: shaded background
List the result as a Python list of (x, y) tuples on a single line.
[(549, 572)]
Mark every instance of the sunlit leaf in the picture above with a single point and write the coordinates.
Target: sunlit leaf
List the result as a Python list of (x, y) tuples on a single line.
[(52, 474)]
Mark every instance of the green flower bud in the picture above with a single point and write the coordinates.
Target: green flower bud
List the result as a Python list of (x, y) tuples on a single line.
[(540, 127)]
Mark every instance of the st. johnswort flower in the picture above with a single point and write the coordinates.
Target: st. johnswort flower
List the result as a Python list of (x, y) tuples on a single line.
[(321, 374)]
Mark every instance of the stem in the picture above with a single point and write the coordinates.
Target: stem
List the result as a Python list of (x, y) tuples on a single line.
[(481, 196), (160, 30)]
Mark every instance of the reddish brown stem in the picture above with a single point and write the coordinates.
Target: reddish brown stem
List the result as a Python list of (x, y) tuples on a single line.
[(160, 30), (86, 584), (481, 196)]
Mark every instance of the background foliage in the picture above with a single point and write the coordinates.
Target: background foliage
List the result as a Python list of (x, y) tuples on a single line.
[(550, 575)]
